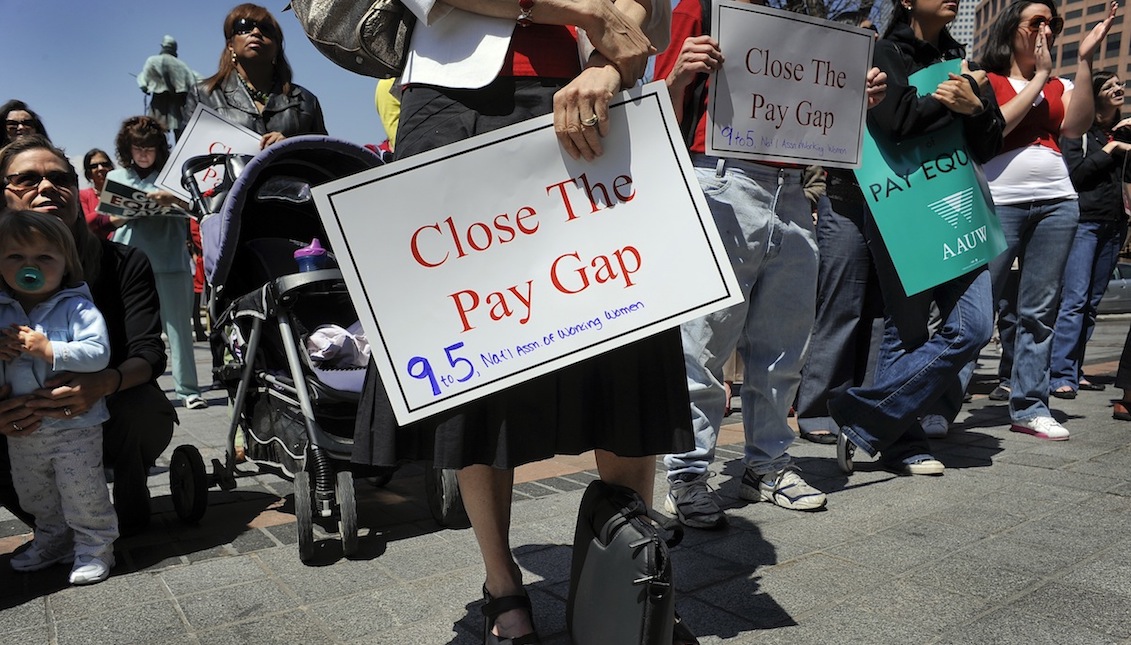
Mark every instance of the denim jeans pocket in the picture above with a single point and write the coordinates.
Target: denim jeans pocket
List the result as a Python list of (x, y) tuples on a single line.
[(711, 183)]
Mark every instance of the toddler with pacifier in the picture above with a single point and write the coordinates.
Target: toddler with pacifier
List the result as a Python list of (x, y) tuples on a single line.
[(48, 325)]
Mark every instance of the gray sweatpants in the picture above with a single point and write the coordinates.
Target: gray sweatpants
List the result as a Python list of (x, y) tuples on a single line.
[(57, 472)]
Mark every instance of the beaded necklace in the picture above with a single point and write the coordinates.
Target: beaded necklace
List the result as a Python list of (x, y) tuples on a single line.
[(258, 96)]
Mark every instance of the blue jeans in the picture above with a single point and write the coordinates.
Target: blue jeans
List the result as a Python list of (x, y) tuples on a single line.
[(1095, 252), (766, 226), (1039, 235), (915, 367), (849, 323)]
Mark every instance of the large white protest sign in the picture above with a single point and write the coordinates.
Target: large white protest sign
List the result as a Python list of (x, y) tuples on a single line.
[(206, 133), (120, 200), (791, 87), (497, 259)]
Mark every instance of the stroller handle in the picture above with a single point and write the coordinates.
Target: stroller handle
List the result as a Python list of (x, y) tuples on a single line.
[(233, 165)]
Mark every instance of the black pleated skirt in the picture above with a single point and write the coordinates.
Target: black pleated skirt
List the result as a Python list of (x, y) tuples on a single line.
[(631, 401)]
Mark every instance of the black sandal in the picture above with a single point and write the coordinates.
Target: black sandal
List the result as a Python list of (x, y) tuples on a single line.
[(491, 609), (681, 634)]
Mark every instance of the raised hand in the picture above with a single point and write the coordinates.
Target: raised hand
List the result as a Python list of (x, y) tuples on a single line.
[(1092, 41)]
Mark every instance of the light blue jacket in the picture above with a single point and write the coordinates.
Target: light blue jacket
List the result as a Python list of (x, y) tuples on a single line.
[(162, 238), (79, 342)]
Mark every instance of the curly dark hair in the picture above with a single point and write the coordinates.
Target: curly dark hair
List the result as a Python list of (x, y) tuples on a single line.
[(141, 131), (998, 54)]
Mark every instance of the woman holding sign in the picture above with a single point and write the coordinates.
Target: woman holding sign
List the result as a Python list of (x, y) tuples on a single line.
[(253, 86), (1034, 196), (142, 150), (476, 66), (916, 368)]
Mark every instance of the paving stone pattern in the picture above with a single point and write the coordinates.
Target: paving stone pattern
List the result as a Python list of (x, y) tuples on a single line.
[(1021, 541)]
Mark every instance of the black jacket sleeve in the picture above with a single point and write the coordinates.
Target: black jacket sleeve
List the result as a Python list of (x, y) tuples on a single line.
[(1087, 168), (143, 312), (904, 114), (136, 326)]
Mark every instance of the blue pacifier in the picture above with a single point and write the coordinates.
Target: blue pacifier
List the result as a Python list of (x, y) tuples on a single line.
[(30, 279)]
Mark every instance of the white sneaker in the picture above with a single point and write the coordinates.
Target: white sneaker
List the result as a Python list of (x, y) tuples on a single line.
[(195, 402), (89, 570), (785, 488), (935, 425), (1041, 427)]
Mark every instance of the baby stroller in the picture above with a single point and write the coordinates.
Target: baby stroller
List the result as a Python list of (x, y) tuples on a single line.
[(295, 417)]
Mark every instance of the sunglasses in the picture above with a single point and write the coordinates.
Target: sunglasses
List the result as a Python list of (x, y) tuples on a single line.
[(31, 179), (101, 164), (13, 124), (245, 26), (1056, 24)]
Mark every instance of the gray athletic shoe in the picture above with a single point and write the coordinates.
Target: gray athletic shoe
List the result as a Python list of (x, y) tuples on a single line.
[(784, 488), (694, 505)]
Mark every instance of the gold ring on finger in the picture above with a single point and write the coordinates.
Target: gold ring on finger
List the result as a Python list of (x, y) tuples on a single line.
[(16, 427), (590, 122)]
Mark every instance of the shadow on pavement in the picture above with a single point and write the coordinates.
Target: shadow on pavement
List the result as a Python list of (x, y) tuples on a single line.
[(163, 543)]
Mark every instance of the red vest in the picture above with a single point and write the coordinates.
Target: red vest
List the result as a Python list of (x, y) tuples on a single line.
[(1041, 126)]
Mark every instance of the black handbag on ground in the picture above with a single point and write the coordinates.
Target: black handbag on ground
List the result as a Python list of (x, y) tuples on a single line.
[(620, 584)]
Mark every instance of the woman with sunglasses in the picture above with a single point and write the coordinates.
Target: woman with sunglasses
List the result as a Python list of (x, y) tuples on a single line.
[(1097, 165), (1034, 196), (96, 165), (253, 86), (19, 121), (37, 176)]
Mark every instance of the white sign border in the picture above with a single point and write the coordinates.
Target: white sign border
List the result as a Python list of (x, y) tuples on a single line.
[(170, 176), (403, 409), (716, 18)]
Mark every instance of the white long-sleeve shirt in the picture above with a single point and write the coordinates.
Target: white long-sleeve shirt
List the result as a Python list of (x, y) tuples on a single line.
[(459, 49)]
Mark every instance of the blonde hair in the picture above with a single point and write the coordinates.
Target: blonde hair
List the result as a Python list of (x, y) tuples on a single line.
[(26, 227)]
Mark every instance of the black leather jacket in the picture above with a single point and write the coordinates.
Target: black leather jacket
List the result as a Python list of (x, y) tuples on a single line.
[(297, 112)]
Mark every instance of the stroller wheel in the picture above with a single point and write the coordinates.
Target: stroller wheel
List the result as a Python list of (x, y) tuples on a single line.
[(188, 484), (304, 515), (347, 509), (444, 498)]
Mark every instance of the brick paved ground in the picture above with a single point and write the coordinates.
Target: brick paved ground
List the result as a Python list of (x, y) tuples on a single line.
[(1022, 541)]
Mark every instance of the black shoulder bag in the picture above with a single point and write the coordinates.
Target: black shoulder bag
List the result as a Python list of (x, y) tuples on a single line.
[(620, 584)]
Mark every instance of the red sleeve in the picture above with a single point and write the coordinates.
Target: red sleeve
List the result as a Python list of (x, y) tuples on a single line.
[(687, 21), (98, 223)]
